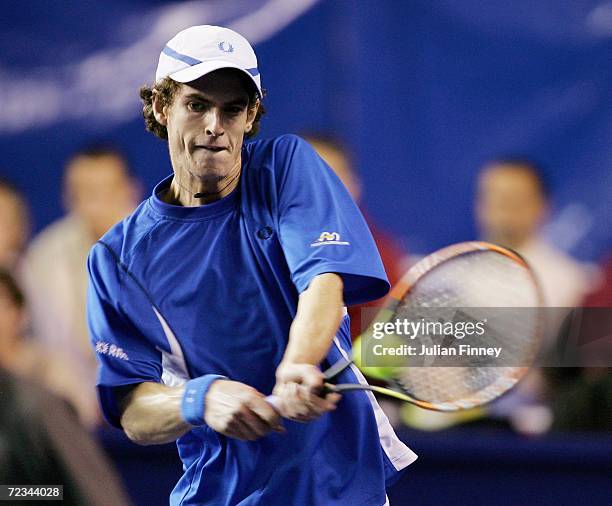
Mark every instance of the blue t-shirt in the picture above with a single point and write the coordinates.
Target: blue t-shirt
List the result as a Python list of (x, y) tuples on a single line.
[(179, 292)]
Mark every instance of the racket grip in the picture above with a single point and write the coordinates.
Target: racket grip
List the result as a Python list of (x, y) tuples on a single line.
[(274, 401)]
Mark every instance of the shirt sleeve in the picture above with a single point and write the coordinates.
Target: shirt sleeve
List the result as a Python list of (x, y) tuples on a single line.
[(123, 353), (321, 228)]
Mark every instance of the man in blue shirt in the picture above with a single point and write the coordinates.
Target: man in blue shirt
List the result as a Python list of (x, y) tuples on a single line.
[(229, 283)]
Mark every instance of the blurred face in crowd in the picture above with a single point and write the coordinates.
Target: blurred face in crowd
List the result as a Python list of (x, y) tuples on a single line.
[(340, 164), (14, 227), (12, 320), (510, 206), (100, 191), (206, 123)]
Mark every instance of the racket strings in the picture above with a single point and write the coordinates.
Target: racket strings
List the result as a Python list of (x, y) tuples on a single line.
[(480, 286)]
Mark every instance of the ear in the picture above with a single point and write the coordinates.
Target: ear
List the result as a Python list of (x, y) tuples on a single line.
[(251, 114), (160, 112)]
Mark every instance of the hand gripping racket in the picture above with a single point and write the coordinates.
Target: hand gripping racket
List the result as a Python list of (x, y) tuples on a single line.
[(483, 281)]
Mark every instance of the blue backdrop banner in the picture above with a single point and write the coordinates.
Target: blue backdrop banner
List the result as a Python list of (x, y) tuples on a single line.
[(423, 92)]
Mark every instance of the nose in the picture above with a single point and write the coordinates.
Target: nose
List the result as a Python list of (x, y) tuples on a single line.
[(214, 123)]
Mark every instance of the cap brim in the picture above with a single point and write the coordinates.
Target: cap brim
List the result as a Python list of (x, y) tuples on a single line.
[(201, 69)]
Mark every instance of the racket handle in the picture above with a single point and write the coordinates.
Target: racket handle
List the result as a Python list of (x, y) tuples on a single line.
[(274, 401)]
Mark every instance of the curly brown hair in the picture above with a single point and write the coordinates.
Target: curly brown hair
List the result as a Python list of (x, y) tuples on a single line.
[(167, 89)]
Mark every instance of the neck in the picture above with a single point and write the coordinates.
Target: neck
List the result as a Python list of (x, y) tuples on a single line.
[(190, 191)]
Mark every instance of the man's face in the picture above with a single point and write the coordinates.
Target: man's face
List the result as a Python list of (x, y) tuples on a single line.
[(510, 206), (99, 191), (206, 123), (11, 317), (14, 228)]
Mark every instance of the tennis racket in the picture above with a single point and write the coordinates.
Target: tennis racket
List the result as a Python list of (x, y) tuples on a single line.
[(481, 282)]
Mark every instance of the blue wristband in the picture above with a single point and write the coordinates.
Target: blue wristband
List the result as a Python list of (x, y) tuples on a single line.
[(192, 406)]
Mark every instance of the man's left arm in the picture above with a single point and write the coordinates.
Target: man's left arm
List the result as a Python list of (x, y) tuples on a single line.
[(299, 380)]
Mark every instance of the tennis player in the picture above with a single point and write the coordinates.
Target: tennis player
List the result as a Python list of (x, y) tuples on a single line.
[(229, 283)]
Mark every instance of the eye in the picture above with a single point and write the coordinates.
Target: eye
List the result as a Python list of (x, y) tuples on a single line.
[(195, 106), (233, 110)]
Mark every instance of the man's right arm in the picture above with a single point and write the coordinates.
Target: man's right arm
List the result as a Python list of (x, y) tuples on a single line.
[(151, 412), (148, 411)]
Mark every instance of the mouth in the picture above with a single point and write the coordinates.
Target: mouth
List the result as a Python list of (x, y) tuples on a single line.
[(211, 149)]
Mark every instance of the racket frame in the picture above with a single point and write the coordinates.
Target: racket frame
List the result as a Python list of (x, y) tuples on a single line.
[(399, 292)]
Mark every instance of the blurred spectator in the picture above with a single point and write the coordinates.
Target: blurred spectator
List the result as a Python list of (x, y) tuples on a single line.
[(582, 397), (98, 192), (18, 355), (602, 296), (511, 205), (393, 258), (14, 225), (41, 441)]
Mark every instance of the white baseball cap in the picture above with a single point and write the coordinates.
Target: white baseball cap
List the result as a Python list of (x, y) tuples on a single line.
[(199, 50)]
